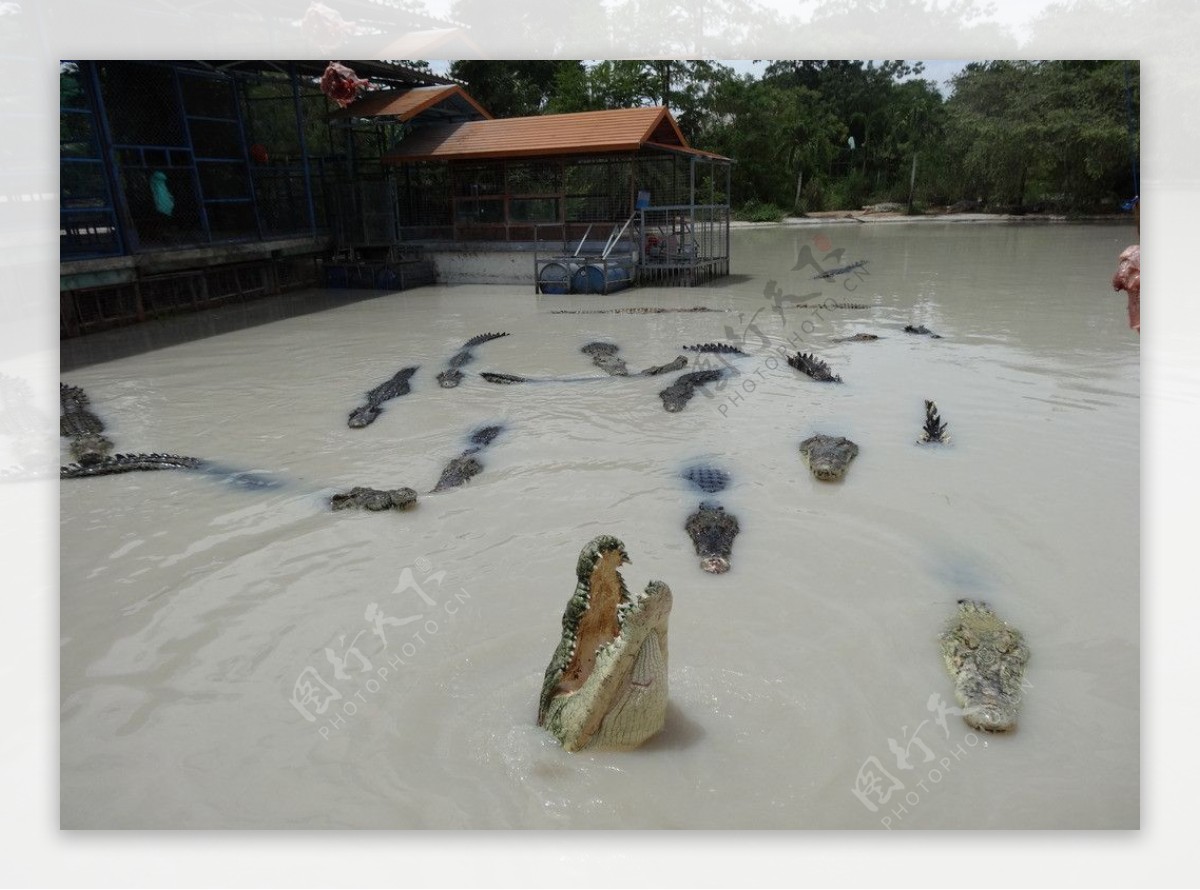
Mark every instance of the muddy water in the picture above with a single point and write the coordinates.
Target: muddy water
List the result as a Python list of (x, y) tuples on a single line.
[(240, 656)]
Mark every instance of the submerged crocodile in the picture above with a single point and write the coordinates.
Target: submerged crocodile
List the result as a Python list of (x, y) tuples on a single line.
[(828, 456), (720, 348), (706, 478), (129, 463), (934, 429), (632, 310), (452, 376), (364, 415), (921, 329), (857, 338), (677, 364), (81, 426), (604, 357), (606, 684), (676, 396), (809, 364), (841, 270), (374, 499), (712, 531), (986, 658)]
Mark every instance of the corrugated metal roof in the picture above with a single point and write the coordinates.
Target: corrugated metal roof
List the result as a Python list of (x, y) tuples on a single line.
[(407, 104), (586, 132)]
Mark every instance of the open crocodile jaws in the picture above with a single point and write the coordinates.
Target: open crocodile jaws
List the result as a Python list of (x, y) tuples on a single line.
[(606, 685)]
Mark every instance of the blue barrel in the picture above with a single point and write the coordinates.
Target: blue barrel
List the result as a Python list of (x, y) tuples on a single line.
[(555, 278), (600, 279)]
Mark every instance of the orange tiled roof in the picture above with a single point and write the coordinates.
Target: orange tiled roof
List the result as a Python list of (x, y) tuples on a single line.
[(585, 132), (406, 104)]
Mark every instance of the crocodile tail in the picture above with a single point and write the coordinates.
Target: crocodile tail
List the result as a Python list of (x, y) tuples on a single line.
[(483, 338)]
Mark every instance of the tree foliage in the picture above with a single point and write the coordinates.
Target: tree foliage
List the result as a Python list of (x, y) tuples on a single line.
[(832, 134)]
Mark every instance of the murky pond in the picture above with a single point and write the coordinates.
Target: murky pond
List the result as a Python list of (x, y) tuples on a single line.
[(240, 656)]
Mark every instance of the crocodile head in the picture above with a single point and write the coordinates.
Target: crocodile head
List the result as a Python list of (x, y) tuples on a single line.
[(450, 378), (828, 456), (712, 531), (606, 685), (363, 416), (986, 657)]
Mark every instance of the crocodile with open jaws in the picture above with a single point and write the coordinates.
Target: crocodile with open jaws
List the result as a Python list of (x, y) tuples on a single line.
[(676, 396), (452, 376), (986, 657), (828, 456), (398, 385), (934, 429), (606, 684), (809, 364), (81, 426)]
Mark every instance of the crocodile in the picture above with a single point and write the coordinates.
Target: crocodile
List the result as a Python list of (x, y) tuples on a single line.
[(712, 531), (841, 270), (676, 396), (81, 426), (722, 348), (921, 329), (632, 310), (464, 467), (128, 463), (505, 379), (374, 499), (934, 429), (809, 364), (708, 479), (986, 657), (364, 415), (677, 364), (452, 376), (857, 338), (604, 357), (606, 684), (828, 456)]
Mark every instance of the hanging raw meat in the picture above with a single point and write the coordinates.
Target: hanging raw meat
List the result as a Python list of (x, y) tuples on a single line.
[(341, 84)]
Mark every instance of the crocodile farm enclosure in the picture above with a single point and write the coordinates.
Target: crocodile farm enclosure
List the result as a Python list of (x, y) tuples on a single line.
[(235, 653)]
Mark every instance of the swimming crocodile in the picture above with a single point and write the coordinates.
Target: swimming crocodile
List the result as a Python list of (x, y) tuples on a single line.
[(841, 270), (934, 429), (828, 456), (986, 657), (632, 310), (606, 684), (676, 396), (809, 364), (452, 376), (128, 463), (364, 415), (857, 338), (462, 468), (720, 348), (604, 356), (712, 531), (81, 426), (374, 499), (677, 364), (921, 329)]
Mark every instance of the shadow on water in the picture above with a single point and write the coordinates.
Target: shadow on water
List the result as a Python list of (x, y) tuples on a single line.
[(678, 734), (107, 346)]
